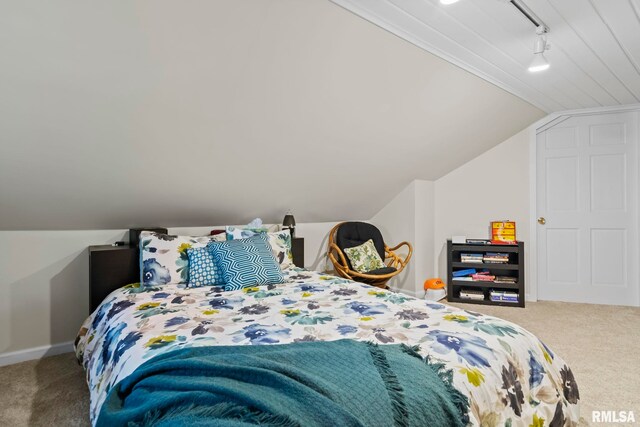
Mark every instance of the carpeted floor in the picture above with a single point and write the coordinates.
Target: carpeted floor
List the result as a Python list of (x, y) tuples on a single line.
[(600, 343), (47, 392)]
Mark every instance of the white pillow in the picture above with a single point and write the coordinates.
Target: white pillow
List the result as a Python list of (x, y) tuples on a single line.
[(281, 247), (164, 258)]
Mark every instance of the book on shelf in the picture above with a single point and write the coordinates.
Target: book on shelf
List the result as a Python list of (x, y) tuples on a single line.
[(477, 242), (466, 272), (477, 258), (471, 294), (506, 279), (475, 298), (503, 296), (496, 296), (496, 258), (483, 277), (510, 297), (464, 279)]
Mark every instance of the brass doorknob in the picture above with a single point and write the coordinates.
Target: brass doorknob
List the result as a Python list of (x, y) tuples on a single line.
[(542, 221)]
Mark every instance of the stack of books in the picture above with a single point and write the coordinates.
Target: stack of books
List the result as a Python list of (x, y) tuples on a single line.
[(478, 242), (473, 294), (471, 274), (509, 296), (503, 296), (473, 258), (506, 279), (483, 277), (495, 258), (459, 274)]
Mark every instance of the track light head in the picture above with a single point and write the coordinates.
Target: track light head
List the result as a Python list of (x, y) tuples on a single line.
[(539, 62)]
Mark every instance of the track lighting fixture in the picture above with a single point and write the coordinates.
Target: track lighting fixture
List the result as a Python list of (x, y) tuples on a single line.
[(539, 62)]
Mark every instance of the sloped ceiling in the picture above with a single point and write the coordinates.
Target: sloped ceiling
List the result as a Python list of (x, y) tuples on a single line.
[(594, 56), (157, 112)]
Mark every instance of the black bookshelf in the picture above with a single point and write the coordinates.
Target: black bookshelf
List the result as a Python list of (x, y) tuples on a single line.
[(514, 268)]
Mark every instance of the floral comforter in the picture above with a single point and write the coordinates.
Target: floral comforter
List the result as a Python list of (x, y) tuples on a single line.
[(509, 375)]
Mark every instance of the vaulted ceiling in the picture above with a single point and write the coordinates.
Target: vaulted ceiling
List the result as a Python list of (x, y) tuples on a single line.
[(158, 112), (594, 56)]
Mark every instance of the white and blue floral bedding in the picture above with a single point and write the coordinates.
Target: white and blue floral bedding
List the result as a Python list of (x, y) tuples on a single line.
[(510, 376)]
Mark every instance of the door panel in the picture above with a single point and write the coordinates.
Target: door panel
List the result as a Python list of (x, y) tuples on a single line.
[(607, 134), (609, 252), (563, 256), (562, 183), (587, 190), (564, 137), (608, 182)]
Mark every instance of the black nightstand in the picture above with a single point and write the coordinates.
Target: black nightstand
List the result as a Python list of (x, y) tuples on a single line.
[(110, 268), (297, 251)]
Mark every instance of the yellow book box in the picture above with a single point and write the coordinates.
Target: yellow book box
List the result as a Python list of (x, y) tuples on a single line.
[(503, 232)]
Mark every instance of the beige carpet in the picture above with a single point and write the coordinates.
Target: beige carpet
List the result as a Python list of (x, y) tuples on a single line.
[(600, 343), (47, 392)]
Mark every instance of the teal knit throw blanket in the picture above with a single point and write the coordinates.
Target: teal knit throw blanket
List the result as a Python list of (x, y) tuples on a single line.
[(335, 383)]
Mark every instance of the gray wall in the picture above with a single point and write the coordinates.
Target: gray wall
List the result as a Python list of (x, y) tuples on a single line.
[(44, 285), (130, 113)]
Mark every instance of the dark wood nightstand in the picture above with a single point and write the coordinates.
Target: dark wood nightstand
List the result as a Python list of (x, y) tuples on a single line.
[(297, 251), (110, 268)]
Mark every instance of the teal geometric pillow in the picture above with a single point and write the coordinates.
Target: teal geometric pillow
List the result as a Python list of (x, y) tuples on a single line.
[(280, 243), (246, 262), (203, 270)]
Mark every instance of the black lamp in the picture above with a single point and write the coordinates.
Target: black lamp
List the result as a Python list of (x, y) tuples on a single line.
[(289, 222)]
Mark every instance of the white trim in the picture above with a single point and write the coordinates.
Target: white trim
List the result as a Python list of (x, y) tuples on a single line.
[(532, 273), (532, 251), (35, 353), (584, 111)]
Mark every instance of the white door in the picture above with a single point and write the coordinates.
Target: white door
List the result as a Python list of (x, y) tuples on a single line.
[(587, 191)]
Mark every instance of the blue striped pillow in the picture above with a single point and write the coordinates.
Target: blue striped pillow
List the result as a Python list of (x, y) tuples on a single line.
[(246, 262)]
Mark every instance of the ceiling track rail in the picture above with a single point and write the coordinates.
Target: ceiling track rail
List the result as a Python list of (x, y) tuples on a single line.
[(528, 13)]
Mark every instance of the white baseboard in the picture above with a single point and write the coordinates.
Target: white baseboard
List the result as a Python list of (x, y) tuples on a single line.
[(406, 292), (35, 353)]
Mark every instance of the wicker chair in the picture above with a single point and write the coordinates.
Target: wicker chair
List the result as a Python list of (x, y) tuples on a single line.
[(349, 234)]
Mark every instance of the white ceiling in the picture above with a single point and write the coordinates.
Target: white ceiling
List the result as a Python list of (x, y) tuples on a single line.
[(165, 113), (595, 52)]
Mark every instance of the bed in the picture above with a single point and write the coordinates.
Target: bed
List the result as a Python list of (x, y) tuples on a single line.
[(508, 375)]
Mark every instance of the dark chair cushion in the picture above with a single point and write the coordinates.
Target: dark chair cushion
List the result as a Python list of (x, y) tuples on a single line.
[(382, 271), (352, 234)]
